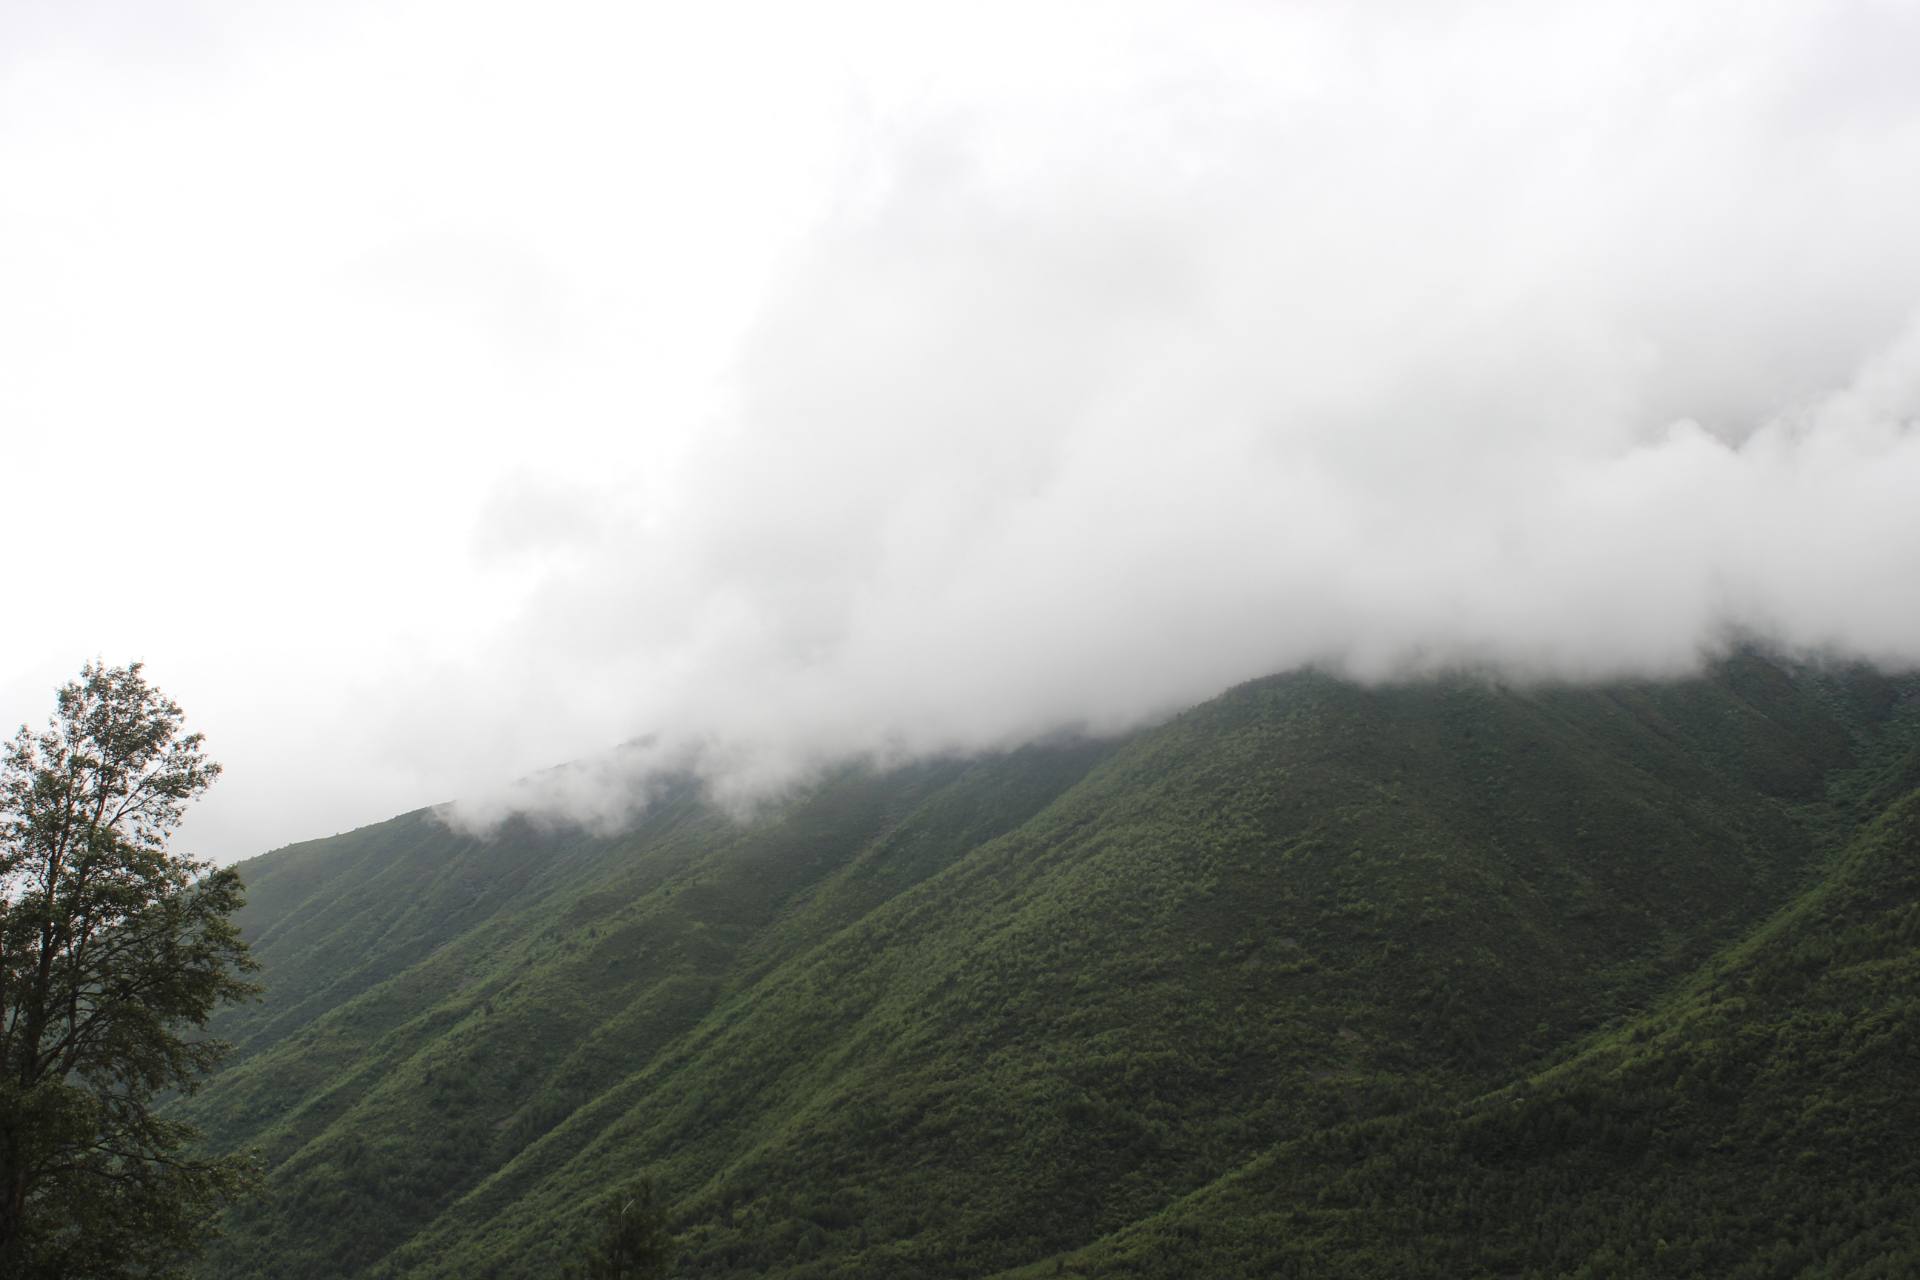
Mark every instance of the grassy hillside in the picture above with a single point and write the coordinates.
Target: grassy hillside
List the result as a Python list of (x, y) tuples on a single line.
[(1115, 1006), (1757, 1123)]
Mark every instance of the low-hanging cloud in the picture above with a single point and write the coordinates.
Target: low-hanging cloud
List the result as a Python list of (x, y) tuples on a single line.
[(1560, 345), (450, 393)]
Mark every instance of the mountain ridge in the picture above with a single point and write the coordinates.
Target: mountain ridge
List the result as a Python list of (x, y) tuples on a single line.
[(969, 1016)]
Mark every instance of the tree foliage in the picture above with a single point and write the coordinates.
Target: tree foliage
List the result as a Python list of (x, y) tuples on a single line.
[(113, 953), (631, 1241)]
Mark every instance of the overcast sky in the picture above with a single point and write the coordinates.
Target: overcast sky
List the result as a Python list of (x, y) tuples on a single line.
[(432, 392)]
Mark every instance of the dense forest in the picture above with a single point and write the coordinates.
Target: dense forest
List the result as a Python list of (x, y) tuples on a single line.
[(1455, 978)]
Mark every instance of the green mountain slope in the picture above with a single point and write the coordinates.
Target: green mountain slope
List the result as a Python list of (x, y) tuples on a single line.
[(1099, 1004), (1757, 1123)]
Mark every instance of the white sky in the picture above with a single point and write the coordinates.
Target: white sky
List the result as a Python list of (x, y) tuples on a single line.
[(432, 392)]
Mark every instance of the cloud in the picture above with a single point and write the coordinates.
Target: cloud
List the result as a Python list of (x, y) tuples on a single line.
[(450, 394), (1567, 347)]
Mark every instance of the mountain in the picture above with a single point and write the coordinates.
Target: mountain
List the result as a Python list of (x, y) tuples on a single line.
[(1451, 978)]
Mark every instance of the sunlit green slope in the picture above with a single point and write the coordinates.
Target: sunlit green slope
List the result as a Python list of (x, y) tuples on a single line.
[(1058, 1006)]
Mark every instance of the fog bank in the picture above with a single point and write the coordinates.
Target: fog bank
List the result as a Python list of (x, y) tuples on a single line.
[(1552, 345), (434, 392)]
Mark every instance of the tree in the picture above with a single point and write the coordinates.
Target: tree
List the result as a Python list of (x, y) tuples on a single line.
[(113, 953), (632, 1242)]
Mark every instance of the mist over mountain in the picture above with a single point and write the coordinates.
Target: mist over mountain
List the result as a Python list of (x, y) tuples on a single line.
[(1470, 345), (1242, 638), (780, 387)]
